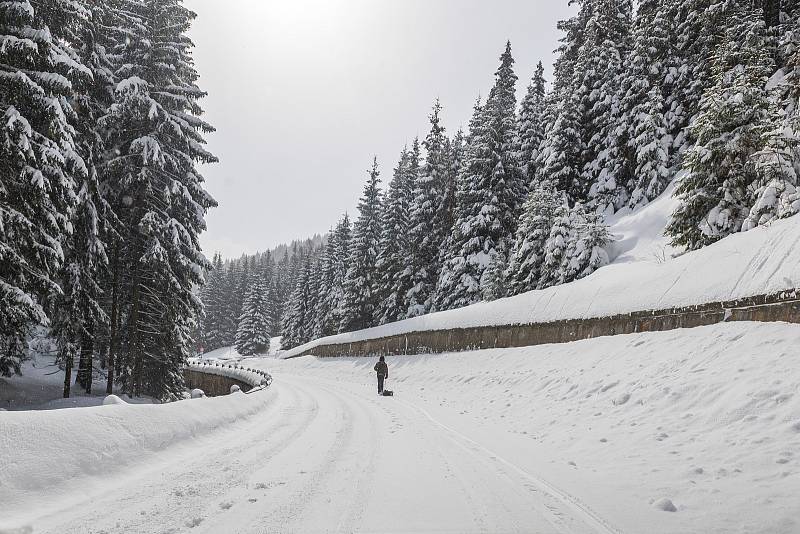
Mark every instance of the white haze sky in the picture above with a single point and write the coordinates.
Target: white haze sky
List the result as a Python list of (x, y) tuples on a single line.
[(303, 93)]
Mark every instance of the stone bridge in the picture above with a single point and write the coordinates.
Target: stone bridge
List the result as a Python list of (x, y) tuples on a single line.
[(216, 378)]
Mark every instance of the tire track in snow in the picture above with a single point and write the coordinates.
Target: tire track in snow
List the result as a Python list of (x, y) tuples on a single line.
[(591, 517), (477, 501), (286, 517)]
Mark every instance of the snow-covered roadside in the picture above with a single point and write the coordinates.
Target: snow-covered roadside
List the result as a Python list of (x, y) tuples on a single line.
[(708, 418), (44, 452), (765, 260)]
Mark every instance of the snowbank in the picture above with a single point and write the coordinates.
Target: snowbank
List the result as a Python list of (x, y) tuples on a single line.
[(765, 260), (694, 430), (42, 451)]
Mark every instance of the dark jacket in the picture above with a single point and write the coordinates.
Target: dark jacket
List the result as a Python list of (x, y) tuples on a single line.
[(382, 369)]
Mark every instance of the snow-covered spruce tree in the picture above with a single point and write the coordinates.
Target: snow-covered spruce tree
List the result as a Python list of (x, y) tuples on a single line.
[(297, 312), (495, 285), (266, 268), (776, 194), (405, 279), (81, 30), (239, 282), (393, 257), (643, 104), (531, 124), (283, 287), (255, 324), (560, 157), (229, 302), (735, 115), (426, 228), (527, 256), (325, 277), (39, 161), (455, 160), (361, 299), (332, 284), (588, 239), (555, 248), (575, 247), (312, 324), (698, 26), (491, 190), (602, 58), (155, 138), (452, 263), (213, 296)]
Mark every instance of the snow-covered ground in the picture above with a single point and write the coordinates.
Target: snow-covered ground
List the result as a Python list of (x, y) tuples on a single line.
[(230, 354), (41, 387), (592, 436), (645, 274)]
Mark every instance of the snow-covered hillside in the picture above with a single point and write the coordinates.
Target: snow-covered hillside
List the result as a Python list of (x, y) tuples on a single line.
[(604, 435), (643, 276)]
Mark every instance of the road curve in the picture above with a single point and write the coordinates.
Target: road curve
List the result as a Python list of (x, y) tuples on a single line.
[(327, 456)]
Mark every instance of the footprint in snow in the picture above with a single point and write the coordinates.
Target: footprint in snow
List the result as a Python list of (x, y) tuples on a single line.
[(622, 399), (226, 505), (194, 522)]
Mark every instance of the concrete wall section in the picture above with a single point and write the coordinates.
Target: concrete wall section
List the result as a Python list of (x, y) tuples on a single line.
[(780, 307)]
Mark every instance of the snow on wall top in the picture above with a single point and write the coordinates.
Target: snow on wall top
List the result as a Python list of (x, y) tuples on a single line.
[(764, 260)]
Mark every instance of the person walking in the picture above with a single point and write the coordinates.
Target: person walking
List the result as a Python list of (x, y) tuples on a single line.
[(383, 373)]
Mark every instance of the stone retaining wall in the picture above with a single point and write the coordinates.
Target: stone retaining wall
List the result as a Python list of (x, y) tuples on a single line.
[(767, 308)]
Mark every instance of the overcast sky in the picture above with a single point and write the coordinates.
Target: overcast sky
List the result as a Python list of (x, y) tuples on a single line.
[(303, 93)]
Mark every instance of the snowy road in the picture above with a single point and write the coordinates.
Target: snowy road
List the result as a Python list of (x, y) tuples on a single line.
[(591, 436), (330, 457)]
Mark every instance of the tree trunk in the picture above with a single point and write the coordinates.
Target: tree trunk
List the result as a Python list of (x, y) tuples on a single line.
[(114, 327), (135, 353), (772, 12), (68, 373), (86, 363)]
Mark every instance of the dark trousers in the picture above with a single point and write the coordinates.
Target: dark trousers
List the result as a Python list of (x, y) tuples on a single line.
[(380, 383)]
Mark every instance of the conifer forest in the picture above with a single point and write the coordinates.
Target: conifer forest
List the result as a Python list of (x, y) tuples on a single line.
[(704, 90), (102, 201)]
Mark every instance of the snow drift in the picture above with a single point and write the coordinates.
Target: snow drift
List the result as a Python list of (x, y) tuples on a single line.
[(42, 451)]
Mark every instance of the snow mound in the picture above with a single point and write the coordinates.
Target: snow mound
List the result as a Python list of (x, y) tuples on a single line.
[(665, 505), (112, 399), (235, 389), (198, 393)]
